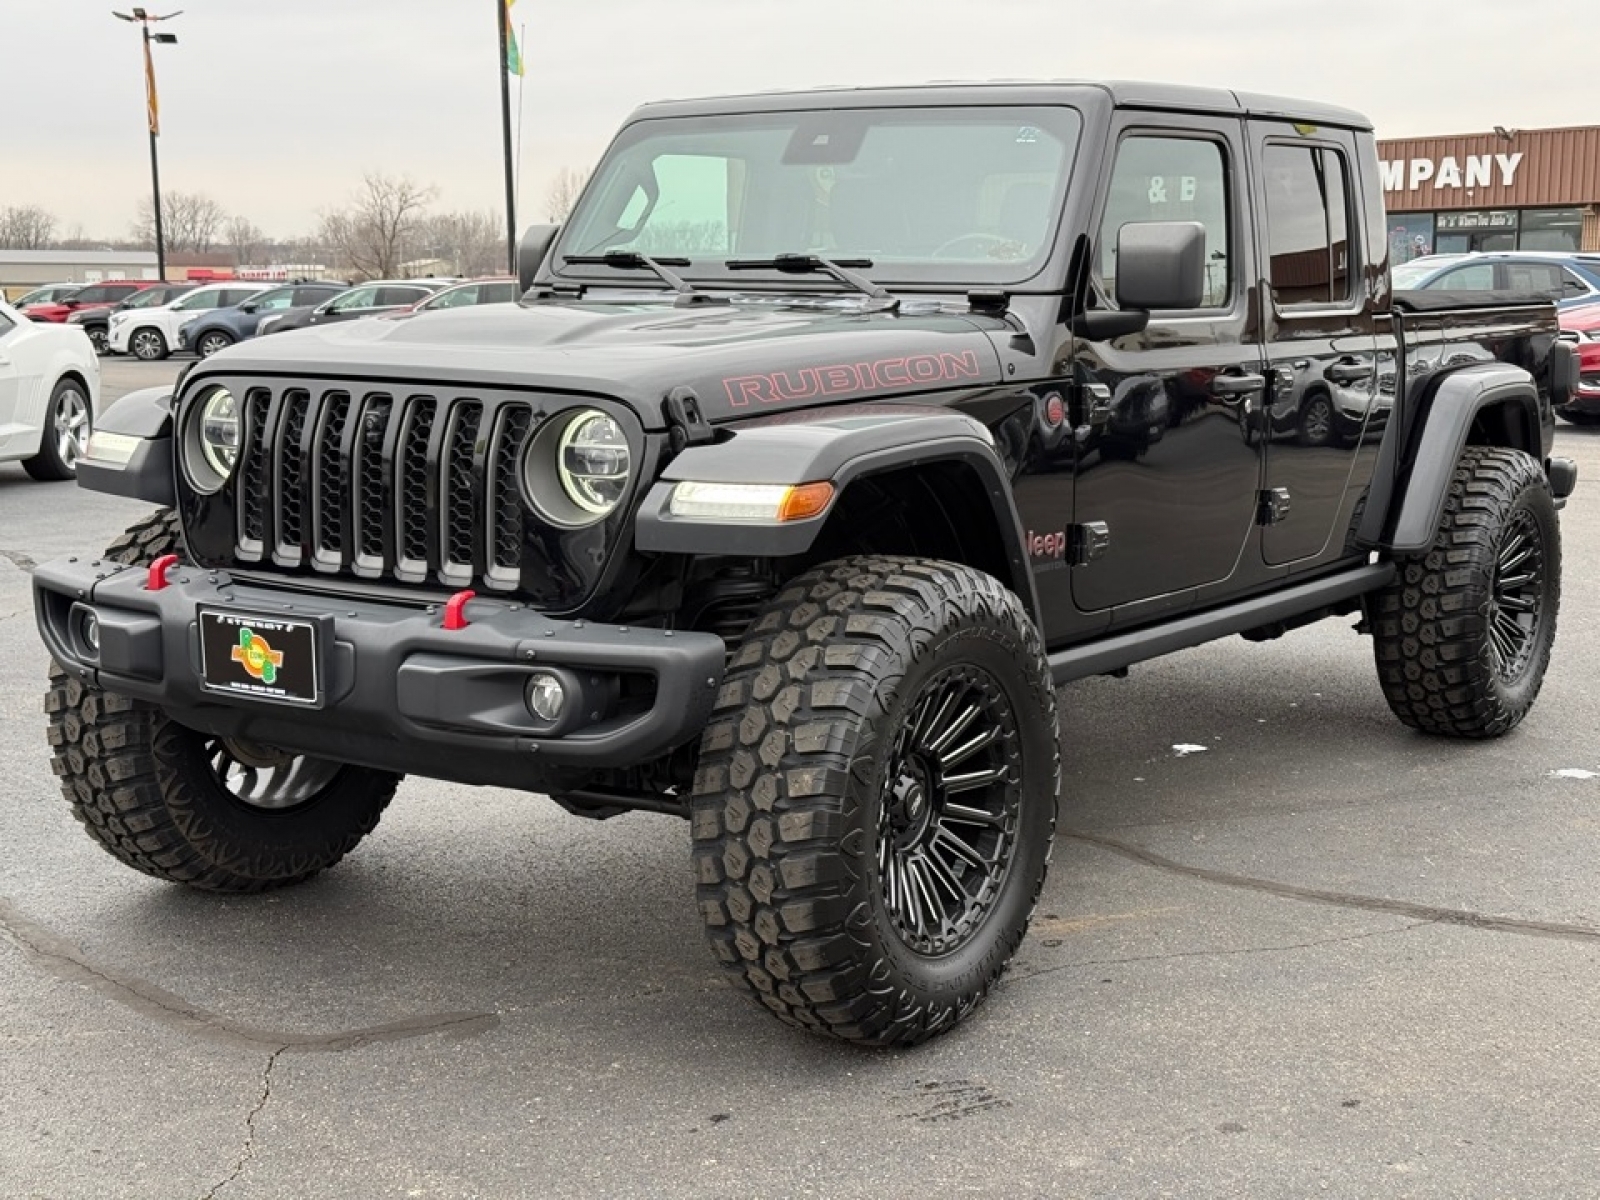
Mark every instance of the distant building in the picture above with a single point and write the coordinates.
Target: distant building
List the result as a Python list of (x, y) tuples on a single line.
[(1512, 189), (24, 269)]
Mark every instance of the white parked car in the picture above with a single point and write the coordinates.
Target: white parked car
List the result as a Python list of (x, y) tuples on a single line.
[(152, 333), (49, 394)]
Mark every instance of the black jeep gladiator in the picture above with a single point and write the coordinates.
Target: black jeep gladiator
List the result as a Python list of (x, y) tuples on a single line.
[(833, 431)]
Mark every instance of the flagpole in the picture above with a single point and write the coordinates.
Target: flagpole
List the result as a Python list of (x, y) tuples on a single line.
[(155, 166), (502, 19)]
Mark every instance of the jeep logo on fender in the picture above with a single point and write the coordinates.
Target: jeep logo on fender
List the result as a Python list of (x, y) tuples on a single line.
[(1047, 545), (811, 383)]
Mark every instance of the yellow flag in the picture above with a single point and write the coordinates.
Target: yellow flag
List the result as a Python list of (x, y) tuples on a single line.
[(151, 104), (513, 51)]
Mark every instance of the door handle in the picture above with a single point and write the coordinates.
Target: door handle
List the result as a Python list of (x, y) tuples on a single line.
[(1347, 370), (1232, 387)]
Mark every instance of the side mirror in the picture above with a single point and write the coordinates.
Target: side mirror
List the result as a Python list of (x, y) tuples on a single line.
[(249, 306), (1161, 265), (536, 243)]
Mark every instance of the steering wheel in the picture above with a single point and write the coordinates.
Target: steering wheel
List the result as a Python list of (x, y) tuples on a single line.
[(990, 239)]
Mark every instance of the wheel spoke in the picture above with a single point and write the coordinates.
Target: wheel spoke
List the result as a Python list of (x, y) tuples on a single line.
[(957, 846), (970, 816), (956, 784), (967, 749), (954, 729)]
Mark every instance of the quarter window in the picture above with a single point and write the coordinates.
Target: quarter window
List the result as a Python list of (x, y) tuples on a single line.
[(1308, 224), (1171, 179)]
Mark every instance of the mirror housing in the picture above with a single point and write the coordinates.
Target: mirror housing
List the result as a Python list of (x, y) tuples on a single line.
[(531, 251), (249, 306), (1161, 265)]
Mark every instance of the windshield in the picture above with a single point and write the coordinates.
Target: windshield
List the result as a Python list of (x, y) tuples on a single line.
[(931, 195), (1412, 274)]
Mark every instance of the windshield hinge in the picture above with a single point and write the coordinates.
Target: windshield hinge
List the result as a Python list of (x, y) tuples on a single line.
[(989, 301), (686, 424)]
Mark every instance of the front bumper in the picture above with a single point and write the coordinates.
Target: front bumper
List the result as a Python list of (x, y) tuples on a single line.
[(399, 691), (117, 338)]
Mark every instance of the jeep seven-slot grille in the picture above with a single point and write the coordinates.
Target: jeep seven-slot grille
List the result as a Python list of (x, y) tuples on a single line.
[(419, 488)]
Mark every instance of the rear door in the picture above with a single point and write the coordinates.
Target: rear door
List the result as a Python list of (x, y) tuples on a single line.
[(1165, 468), (1320, 341)]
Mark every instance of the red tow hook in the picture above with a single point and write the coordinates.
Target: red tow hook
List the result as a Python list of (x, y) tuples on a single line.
[(156, 579), (455, 610)]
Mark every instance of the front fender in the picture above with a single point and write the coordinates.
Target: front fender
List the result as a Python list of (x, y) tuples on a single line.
[(1447, 424), (834, 445), (130, 451)]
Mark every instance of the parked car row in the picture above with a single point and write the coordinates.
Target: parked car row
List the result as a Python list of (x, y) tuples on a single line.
[(1568, 279), (96, 321)]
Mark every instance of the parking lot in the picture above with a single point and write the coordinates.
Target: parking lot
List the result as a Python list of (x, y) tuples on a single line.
[(1287, 948)]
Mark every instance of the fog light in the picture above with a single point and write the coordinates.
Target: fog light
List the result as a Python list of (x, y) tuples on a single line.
[(546, 696), (90, 629)]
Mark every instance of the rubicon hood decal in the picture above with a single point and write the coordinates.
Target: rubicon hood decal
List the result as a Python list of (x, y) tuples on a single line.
[(847, 379)]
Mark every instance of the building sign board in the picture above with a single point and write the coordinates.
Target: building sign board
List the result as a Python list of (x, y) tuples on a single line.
[(1450, 172)]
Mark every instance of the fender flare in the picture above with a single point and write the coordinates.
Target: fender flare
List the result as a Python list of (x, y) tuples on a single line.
[(1446, 425), (139, 425), (838, 446)]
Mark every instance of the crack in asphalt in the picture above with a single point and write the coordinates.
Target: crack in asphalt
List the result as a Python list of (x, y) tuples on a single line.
[(56, 956), (18, 559), (1425, 914), (1023, 977), (247, 1152)]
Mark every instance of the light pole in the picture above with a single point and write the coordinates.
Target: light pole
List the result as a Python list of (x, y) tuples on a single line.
[(153, 115)]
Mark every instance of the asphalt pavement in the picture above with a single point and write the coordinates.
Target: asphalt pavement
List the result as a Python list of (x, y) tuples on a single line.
[(1287, 948)]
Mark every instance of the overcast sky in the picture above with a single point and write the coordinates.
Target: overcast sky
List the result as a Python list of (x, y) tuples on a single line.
[(276, 107)]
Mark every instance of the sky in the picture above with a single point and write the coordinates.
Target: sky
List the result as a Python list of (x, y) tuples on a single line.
[(276, 108)]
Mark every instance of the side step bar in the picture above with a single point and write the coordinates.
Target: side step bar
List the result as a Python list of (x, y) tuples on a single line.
[(1122, 650)]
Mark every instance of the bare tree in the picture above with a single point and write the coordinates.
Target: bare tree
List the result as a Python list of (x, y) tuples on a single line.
[(26, 227), (381, 227), (563, 193), (244, 238), (472, 242), (190, 222)]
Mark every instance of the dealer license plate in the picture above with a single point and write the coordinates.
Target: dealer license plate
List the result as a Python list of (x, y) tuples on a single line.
[(265, 658)]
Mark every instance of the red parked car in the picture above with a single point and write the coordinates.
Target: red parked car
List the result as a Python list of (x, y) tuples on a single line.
[(1582, 325), (94, 295)]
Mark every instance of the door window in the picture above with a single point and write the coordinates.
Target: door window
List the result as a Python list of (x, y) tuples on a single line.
[(1542, 279), (1171, 179), (364, 297), (1477, 278), (394, 297), (1308, 225), (205, 298)]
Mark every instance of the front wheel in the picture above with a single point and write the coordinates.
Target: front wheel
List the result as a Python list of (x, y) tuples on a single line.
[(219, 814), (147, 345), (876, 798), (99, 339), (1463, 635), (211, 342)]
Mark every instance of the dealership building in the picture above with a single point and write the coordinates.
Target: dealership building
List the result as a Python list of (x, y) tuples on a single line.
[(1512, 189)]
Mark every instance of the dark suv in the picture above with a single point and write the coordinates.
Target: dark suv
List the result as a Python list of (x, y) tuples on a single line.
[(96, 321), (363, 300), (222, 327)]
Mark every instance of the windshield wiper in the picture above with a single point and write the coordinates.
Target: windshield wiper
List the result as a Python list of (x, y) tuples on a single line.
[(815, 264), (632, 260)]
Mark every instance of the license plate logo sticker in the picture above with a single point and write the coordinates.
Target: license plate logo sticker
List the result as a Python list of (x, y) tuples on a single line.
[(259, 659), (247, 654)]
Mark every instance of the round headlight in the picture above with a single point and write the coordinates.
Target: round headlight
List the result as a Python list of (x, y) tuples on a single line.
[(592, 461), (212, 445), (575, 467)]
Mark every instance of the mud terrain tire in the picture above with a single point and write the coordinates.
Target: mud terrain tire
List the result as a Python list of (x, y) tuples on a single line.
[(193, 809), (868, 855), (1463, 636)]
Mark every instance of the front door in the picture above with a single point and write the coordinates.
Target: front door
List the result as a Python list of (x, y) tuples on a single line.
[(1166, 463), (1322, 412)]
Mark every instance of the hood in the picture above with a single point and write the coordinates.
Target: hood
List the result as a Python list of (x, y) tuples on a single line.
[(96, 313), (741, 360)]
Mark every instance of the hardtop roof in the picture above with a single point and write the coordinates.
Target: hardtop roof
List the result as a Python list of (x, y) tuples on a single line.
[(1122, 93)]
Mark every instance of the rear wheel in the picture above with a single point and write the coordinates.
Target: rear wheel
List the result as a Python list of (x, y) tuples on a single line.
[(67, 422), (876, 798), (147, 344), (1463, 636), (1579, 418), (218, 814), (1316, 420)]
